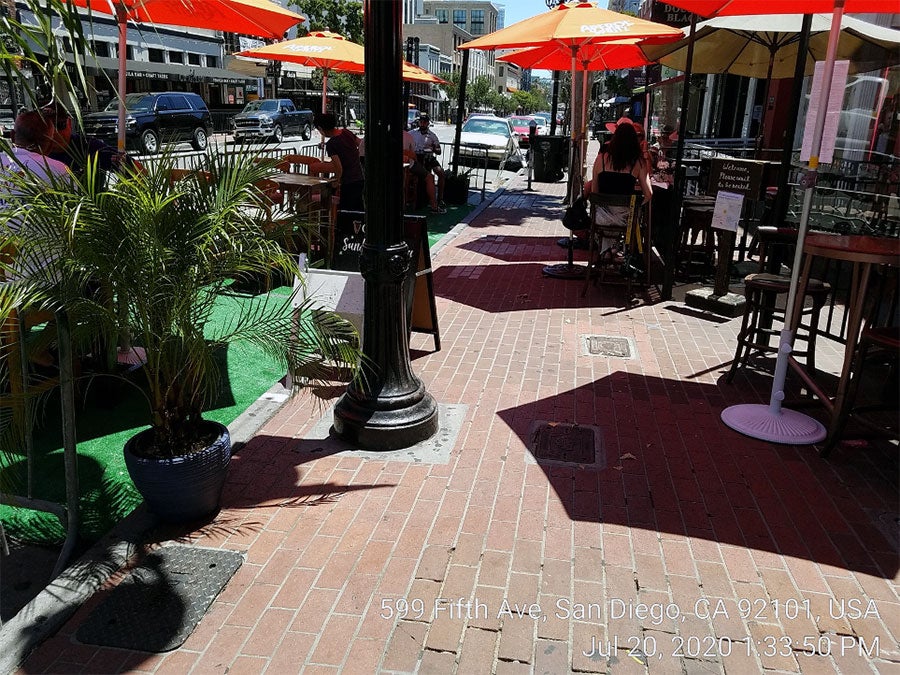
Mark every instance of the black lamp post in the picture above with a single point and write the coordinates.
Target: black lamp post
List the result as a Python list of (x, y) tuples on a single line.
[(389, 408)]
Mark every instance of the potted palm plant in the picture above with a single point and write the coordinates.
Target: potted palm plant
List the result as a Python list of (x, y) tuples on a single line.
[(148, 258)]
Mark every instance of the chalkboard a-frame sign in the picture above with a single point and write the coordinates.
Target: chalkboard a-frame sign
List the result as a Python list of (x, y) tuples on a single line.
[(421, 307)]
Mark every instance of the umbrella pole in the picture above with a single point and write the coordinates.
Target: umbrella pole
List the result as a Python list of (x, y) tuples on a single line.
[(123, 52), (324, 90), (773, 423), (568, 269), (782, 197), (678, 186), (765, 105), (570, 192)]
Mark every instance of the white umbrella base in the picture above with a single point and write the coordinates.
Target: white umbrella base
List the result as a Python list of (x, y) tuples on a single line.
[(787, 427)]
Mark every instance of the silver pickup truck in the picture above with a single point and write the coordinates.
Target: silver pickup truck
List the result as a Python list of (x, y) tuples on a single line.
[(271, 118)]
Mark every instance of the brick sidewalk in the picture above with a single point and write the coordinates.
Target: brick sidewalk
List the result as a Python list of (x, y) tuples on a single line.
[(693, 549)]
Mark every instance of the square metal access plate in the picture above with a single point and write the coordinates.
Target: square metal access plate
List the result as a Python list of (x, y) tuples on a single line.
[(609, 346), (158, 605), (566, 444)]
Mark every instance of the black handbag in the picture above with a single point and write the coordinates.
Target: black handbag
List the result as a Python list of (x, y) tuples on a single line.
[(576, 216)]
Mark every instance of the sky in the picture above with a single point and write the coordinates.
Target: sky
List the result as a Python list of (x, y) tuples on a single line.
[(519, 10)]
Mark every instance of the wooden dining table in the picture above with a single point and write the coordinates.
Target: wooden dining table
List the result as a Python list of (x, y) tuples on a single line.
[(313, 196), (863, 252)]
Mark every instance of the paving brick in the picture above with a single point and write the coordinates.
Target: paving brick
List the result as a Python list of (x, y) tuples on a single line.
[(405, 646)]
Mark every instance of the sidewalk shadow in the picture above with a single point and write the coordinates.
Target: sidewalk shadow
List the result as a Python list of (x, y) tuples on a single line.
[(672, 466), (517, 287), (268, 470), (517, 248)]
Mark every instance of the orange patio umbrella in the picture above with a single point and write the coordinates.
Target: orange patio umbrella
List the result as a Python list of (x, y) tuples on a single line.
[(591, 57), (576, 26), (320, 49), (772, 422), (330, 51), (263, 18), (414, 73)]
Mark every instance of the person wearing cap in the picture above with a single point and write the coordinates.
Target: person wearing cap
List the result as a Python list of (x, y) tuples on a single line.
[(427, 146)]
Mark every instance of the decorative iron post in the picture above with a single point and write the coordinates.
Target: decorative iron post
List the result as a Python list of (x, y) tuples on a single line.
[(389, 408)]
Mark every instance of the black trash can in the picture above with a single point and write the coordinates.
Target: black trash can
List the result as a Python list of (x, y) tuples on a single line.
[(551, 154)]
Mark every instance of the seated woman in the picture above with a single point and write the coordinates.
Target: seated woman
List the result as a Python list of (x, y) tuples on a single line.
[(621, 167)]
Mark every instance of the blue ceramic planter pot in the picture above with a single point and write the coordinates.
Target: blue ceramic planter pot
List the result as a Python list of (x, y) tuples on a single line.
[(185, 488)]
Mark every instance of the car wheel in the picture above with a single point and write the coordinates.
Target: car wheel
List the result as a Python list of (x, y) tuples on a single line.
[(277, 134), (149, 142), (306, 132), (199, 140)]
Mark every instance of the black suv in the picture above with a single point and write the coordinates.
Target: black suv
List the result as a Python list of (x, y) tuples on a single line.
[(154, 118)]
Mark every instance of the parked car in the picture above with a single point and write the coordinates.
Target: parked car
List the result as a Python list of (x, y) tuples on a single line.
[(490, 134), (522, 127), (272, 118), (152, 119), (412, 118)]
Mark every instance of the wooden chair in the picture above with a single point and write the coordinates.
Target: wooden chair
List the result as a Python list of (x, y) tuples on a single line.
[(614, 240), (178, 175)]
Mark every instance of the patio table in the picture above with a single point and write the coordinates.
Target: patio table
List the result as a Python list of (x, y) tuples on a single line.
[(863, 252), (299, 190)]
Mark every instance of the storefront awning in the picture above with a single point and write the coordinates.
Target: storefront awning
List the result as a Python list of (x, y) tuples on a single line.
[(167, 71)]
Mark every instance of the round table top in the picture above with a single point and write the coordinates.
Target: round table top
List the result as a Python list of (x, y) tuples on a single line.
[(854, 248)]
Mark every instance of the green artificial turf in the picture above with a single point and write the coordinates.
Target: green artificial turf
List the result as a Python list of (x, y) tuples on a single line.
[(108, 414)]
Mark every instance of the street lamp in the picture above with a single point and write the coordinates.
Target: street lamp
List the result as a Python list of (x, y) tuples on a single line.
[(388, 408)]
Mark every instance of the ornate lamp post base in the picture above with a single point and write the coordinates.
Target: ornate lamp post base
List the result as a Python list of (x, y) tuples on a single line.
[(387, 408), (387, 423)]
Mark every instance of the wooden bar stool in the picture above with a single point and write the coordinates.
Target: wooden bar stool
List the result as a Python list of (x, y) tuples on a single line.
[(762, 290), (873, 341)]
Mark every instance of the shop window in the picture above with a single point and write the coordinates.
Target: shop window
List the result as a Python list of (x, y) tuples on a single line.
[(212, 61), (477, 21), (100, 48), (194, 59), (176, 57), (156, 56)]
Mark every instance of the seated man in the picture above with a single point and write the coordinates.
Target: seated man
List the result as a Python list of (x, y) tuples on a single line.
[(427, 146)]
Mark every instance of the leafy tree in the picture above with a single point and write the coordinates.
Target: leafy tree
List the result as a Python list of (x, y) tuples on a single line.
[(524, 101), (452, 86), (479, 91), (616, 86), (505, 104), (340, 16)]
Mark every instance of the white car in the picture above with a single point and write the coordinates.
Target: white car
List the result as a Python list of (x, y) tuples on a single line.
[(487, 134)]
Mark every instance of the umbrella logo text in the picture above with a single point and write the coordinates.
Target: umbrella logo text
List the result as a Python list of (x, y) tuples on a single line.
[(316, 49), (606, 28)]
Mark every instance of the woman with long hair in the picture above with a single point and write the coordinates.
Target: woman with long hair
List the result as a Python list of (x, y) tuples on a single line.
[(621, 166)]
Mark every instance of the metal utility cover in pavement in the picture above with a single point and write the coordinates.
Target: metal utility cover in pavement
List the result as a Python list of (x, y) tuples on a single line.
[(160, 602), (566, 443), (609, 346)]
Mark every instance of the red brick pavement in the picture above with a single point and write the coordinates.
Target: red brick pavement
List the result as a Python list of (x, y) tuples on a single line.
[(694, 550)]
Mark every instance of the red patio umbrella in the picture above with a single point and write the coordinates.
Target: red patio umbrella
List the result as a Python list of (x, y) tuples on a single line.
[(263, 18), (772, 422)]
